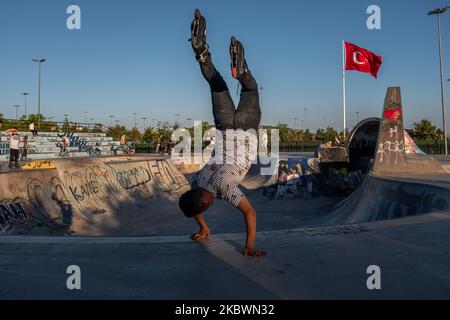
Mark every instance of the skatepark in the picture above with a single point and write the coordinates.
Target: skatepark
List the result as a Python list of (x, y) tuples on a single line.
[(117, 218)]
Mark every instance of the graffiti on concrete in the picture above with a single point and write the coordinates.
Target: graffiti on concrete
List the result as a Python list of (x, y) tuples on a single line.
[(76, 141), (11, 212), (170, 181), (54, 200), (81, 187), (133, 178)]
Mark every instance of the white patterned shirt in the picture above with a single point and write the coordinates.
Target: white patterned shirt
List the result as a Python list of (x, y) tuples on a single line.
[(222, 178)]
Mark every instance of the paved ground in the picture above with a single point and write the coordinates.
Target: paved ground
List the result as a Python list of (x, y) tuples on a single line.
[(325, 263)]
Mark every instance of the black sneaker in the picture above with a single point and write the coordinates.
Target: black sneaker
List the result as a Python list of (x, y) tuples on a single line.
[(239, 68), (198, 36)]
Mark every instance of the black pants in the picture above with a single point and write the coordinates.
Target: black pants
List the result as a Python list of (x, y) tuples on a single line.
[(248, 113), (13, 157)]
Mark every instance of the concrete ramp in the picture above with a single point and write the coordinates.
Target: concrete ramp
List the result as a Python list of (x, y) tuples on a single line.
[(400, 184), (390, 157), (91, 196), (390, 198)]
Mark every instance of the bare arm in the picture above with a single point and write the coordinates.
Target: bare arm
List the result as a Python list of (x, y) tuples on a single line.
[(204, 232), (250, 223)]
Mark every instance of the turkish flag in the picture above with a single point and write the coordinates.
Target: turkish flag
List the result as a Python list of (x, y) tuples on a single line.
[(361, 59)]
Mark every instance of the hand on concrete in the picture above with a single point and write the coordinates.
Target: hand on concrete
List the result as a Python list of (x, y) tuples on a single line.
[(203, 234), (253, 252)]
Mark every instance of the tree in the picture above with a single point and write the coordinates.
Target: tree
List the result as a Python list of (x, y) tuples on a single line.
[(330, 134), (150, 135), (116, 132), (134, 135), (320, 134), (283, 131), (424, 130), (440, 134)]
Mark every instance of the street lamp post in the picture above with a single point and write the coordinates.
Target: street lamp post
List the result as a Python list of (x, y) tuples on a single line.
[(438, 13), (135, 121), (153, 126), (39, 61), (111, 117), (295, 122), (25, 94), (357, 117), (17, 111), (306, 109), (85, 117), (189, 122), (144, 122), (177, 115), (260, 102)]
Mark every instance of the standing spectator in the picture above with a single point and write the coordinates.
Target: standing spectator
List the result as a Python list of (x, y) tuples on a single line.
[(32, 129), (25, 149), (158, 145), (65, 142), (14, 141)]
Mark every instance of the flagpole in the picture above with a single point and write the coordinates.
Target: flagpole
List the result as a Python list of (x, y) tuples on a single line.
[(343, 83)]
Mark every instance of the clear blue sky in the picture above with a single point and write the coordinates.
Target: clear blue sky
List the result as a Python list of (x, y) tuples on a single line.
[(133, 56)]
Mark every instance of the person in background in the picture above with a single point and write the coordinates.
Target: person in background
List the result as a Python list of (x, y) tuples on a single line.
[(14, 141), (24, 149), (32, 129), (64, 143)]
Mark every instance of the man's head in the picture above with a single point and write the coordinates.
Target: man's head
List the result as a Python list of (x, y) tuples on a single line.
[(195, 201)]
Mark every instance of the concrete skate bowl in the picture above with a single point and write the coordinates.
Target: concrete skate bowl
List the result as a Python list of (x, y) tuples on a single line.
[(363, 143), (383, 198), (92, 196)]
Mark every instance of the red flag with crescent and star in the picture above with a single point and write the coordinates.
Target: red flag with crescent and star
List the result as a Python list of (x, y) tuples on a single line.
[(361, 59)]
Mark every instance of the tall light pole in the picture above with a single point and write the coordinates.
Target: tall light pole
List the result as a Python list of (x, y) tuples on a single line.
[(357, 117), (25, 94), (153, 125), (306, 109), (17, 110), (260, 102), (39, 61), (324, 123), (111, 117), (85, 116), (135, 121), (144, 122), (295, 122), (438, 13), (189, 122), (177, 115)]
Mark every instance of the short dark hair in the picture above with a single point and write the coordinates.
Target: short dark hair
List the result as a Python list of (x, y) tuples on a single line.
[(190, 202)]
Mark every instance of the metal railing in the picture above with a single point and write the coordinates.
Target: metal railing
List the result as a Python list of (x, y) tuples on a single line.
[(53, 126)]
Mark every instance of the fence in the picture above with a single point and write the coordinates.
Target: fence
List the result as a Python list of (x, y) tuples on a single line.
[(429, 147), (50, 126), (436, 147)]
